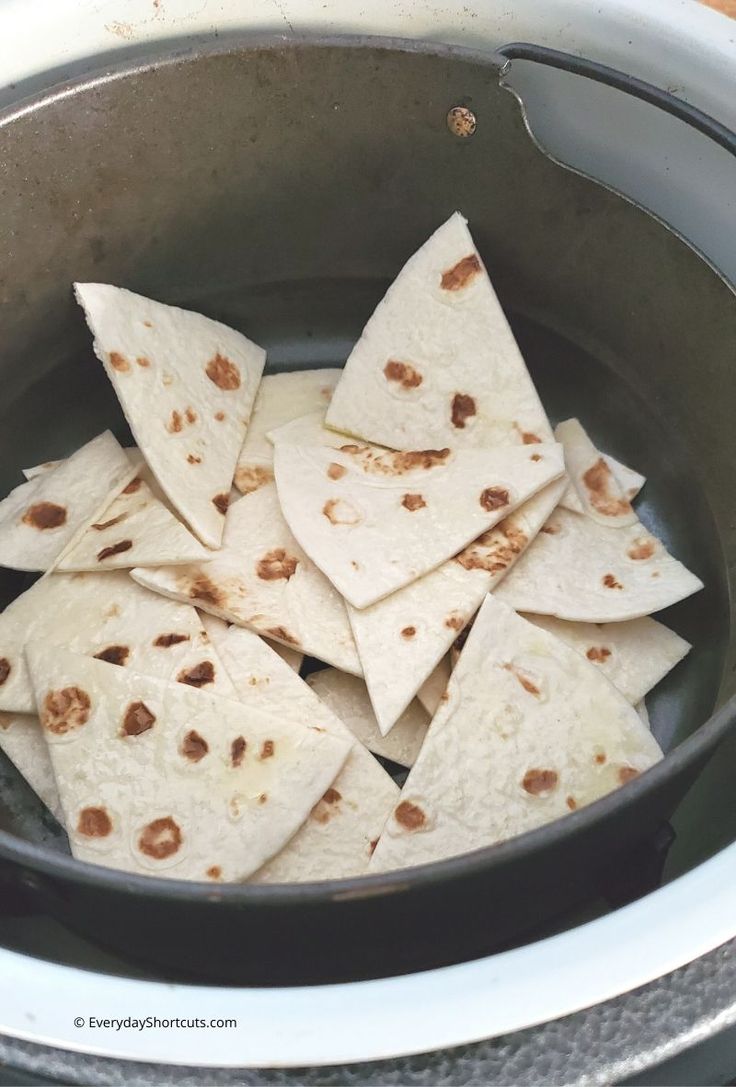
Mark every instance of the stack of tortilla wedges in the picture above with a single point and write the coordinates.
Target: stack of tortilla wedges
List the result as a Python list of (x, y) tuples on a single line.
[(478, 586)]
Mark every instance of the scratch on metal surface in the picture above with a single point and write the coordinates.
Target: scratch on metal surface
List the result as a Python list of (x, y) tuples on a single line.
[(283, 15)]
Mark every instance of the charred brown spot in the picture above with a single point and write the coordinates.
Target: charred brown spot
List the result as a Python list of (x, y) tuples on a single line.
[(102, 525), (65, 709), (114, 654), (137, 720), (463, 407), (571, 803), (263, 798), (550, 530), (493, 498), (598, 653), (626, 773), (133, 486), (251, 477), (114, 549), (143, 362), (237, 750), (148, 324), (461, 274), (528, 684), (194, 747), (44, 515), (277, 564), (599, 758), (353, 448), (339, 512), (223, 373), (175, 423), (94, 823), (641, 549), (408, 632), (198, 676), (528, 438), (535, 457), (119, 362), (403, 374), (219, 416), (191, 415), (332, 796), (454, 622), (203, 589), (413, 502), (418, 458), (5, 669), (610, 582), (598, 480), (539, 781), (160, 839), (410, 816), (494, 551), (281, 634), (335, 470), (192, 458), (267, 749), (221, 502), (215, 872), (165, 641)]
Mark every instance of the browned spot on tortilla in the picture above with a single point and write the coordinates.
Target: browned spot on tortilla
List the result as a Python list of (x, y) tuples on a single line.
[(102, 525), (43, 515), (410, 816), (372, 847), (194, 747), (332, 796), (600, 758), (655, 573), (354, 449), (191, 415), (160, 839), (539, 781), (550, 530), (199, 675), (281, 634), (335, 470), (339, 512), (223, 373), (165, 641), (408, 632), (193, 458), (119, 362), (454, 622), (495, 550), (463, 407), (535, 457), (94, 823), (610, 582), (263, 798), (114, 549), (5, 669), (267, 749), (571, 803), (528, 438), (354, 564), (251, 477), (413, 502), (493, 498), (598, 480), (175, 423), (114, 654), (276, 564), (215, 872), (461, 274), (65, 709), (148, 324), (641, 549), (237, 750), (221, 502), (219, 416), (133, 486), (626, 773), (418, 458), (143, 362), (403, 374), (137, 720), (598, 653), (528, 684)]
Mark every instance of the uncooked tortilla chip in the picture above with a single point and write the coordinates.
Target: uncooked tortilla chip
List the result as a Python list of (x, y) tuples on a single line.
[(109, 616), (187, 386), (530, 731), (43, 518), (629, 481), (633, 655), (348, 697), (431, 691), (374, 521), (600, 494), (262, 579), (437, 364), (21, 739), (580, 570), (161, 778), (337, 839), (281, 398)]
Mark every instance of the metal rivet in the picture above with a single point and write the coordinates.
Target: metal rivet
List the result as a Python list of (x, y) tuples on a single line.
[(461, 121)]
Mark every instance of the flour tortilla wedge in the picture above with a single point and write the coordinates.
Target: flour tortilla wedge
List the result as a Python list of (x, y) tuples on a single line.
[(104, 614), (437, 364), (21, 739), (375, 521), (337, 839), (633, 655), (161, 778), (586, 572), (187, 386), (281, 398), (431, 691), (263, 580), (530, 731), (630, 482), (600, 494), (348, 697), (42, 519)]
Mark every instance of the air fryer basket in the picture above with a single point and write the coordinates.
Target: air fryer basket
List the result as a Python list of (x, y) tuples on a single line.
[(279, 188)]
